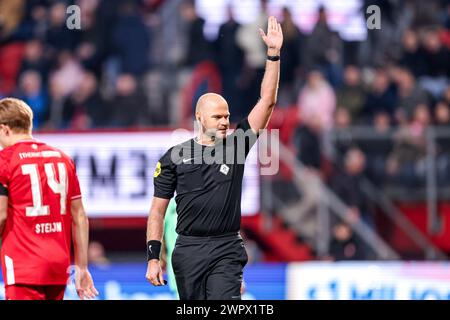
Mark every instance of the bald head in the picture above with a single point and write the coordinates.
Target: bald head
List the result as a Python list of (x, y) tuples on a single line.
[(212, 113), (209, 100)]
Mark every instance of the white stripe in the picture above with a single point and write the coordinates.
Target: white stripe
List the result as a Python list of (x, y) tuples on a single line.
[(10, 279)]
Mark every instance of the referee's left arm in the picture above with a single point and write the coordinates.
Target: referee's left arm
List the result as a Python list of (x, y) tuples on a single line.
[(260, 115)]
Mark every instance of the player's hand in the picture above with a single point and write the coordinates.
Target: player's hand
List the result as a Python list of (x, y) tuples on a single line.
[(154, 273), (84, 284), (274, 37)]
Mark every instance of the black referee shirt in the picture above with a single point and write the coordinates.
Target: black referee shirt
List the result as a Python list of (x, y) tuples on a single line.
[(208, 182)]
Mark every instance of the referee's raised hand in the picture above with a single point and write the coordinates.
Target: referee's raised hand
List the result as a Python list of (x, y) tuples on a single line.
[(274, 36), (154, 273)]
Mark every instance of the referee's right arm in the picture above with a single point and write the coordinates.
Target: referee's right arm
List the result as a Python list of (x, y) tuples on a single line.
[(155, 226), (164, 181)]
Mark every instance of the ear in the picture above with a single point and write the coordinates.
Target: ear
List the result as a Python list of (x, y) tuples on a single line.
[(8, 130), (198, 116), (4, 129)]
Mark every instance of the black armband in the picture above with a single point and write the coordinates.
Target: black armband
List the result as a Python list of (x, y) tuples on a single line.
[(273, 58), (153, 249), (3, 190)]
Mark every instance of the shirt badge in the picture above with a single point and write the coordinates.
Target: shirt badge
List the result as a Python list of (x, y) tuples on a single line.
[(224, 169)]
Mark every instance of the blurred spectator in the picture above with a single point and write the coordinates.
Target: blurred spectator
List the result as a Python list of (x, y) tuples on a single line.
[(34, 59), (58, 36), (317, 99), (33, 93), (96, 254), (68, 68), (324, 49), (413, 56), (230, 59), (129, 107), (84, 108), (381, 96), (344, 245), (426, 14), (437, 61), (382, 123), (442, 114), (442, 123), (409, 148), (307, 142), (351, 95), (292, 57), (347, 185), (342, 119), (133, 51), (249, 39), (378, 147), (409, 93), (91, 46), (198, 48), (380, 47), (36, 17), (301, 216), (342, 126)]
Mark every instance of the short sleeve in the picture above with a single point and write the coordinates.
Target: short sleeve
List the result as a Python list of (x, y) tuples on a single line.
[(74, 184), (4, 169), (165, 178)]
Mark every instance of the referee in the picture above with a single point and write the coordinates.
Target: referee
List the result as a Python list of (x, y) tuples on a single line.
[(206, 173)]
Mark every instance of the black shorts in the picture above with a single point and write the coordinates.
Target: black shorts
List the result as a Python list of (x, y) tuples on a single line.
[(209, 268)]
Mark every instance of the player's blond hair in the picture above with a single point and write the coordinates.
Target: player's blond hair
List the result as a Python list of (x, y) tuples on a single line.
[(16, 114)]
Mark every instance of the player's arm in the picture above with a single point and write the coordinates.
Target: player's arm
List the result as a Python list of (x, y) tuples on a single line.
[(80, 234), (155, 223), (164, 181), (3, 191), (3, 210), (155, 227), (260, 115)]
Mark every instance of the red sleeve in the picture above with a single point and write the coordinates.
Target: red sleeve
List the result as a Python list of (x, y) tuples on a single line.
[(74, 185), (4, 168)]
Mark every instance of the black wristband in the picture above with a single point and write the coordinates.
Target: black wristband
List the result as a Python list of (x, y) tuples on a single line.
[(273, 58), (153, 249), (3, 190)]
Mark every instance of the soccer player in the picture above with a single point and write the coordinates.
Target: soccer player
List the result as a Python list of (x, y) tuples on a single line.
[(40, 211), (209, 254)]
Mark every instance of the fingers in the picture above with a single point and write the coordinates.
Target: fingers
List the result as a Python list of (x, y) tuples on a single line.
[(80, 293), (90, 293), (279, 28), (87, 293), (161, 279), (156, 280), (261, 32), (272, 24)]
